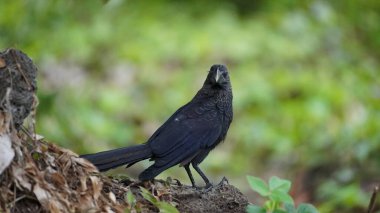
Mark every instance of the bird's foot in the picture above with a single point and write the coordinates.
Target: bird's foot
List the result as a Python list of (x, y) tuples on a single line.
[(197, 187), (205, 188), (208, 187)]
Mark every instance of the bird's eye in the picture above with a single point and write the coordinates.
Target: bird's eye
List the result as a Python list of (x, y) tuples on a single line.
[(224, 75)]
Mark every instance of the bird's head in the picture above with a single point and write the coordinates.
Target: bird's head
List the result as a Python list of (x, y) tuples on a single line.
[(218, 77)]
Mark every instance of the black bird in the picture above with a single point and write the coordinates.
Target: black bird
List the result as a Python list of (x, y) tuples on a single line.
[(186, 137)]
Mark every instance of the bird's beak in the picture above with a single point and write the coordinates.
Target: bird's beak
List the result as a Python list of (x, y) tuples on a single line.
[(217, 77)]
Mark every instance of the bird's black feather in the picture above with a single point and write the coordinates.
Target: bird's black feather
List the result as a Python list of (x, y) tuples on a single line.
[(186, 137)]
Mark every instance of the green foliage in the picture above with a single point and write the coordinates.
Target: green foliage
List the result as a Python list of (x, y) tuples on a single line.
[(131, 199), (164, 207), (304, 76), (302, 208), (341, 195), (277, 198)]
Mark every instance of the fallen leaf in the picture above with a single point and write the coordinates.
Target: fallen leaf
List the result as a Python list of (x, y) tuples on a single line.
[(38, 137), (2, 63), (87, 203), (86, 164), (58, 179), (42, 195), (6, 152), (109, 210), (96, 186), (83, 183), (22, 181), (112, 197)]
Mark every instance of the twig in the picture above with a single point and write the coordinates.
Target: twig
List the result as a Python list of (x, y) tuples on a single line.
[(27, 133), (372, 202), (13, 203)]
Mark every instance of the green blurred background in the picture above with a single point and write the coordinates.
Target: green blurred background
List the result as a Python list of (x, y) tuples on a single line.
[(305, 77)]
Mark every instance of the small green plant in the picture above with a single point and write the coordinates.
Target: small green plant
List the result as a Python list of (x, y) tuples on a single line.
[(278, 199), (164, 207), (131, 199)]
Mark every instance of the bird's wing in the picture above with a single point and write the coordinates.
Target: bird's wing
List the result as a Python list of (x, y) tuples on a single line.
[(184, 134), (164, 126)]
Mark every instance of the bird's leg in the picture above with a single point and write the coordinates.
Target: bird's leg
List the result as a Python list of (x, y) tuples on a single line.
[(187, 167), (208, 184)]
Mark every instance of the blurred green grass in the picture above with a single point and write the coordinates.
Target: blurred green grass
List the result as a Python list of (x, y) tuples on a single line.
[(304, 75)]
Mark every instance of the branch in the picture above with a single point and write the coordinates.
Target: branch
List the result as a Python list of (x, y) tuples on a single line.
[(371, 206)]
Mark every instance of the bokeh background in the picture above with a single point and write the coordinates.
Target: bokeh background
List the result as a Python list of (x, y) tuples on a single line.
[(305, 78)]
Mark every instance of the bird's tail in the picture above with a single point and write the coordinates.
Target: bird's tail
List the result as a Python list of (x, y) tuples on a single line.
[(113, 158)]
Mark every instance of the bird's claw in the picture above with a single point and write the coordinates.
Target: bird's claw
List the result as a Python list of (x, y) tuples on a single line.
[(208, 187), (205, 188)]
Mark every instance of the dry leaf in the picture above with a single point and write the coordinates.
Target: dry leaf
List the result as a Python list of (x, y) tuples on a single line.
[(2, 63), (19, 175), (42, 195), (3, 123), (112, 197), (38, 137), (84, 163), (66, 164), (86, 203), (6, 152), (96, 186), (50, 160), (53, 206), (57, 179), (109, 210), (83, 184)]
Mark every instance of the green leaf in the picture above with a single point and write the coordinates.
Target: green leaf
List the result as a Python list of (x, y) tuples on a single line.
[(255, 209), (290, 208), (148, 196), (276, 183), (163, 206), (270, 205), (306, 208), (130, 198), (258, 186), (279, 211), (281, 196), (36, 156), (166, 207)]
